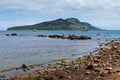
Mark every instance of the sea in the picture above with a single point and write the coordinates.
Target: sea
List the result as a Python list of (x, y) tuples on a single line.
[(28, 48)]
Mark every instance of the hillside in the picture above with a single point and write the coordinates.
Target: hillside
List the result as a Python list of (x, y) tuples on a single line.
[(58, 24)]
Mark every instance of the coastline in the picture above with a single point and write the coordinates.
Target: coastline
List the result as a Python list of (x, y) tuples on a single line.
[(105, 65), (58, 41)]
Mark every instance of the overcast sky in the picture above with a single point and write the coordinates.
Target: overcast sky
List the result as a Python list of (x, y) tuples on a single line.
[(104, 14)]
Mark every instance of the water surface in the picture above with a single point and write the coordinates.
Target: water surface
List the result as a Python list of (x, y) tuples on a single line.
[(27, 48)]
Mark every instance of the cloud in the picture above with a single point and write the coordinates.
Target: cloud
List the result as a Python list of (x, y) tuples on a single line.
[(103, 8), (55, 5), (61, 6), (106, 11)]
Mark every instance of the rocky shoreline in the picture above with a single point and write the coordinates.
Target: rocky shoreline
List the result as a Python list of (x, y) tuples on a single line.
[(101, 64)]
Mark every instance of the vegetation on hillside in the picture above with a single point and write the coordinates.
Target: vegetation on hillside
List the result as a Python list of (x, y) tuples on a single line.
[(58, 24)]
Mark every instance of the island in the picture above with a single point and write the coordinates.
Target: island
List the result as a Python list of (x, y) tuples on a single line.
[(58, 24)]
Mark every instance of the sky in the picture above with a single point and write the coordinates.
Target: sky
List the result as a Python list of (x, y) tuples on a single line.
[(104, 14)]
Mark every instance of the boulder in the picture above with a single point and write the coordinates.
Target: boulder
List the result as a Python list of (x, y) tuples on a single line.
[(24, 67), (7, 34), (14, 34), (42, 35)]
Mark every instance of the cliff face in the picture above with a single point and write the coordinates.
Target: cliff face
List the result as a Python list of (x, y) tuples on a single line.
[(58, 24)]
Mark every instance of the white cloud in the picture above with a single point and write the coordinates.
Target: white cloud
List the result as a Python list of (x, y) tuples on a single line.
[(48, 6), (98, 9)]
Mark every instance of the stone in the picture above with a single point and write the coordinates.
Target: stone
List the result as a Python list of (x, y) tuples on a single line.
[(42, 35), (87, 72), (114, 47), (7, 34), (108, 68), (95, 65), (50, 78), (32, 66), (90, 67), (96, 61), (118, 71), (110, 72), (97, 71), (69, 77), (24, 67), (40, 72), (14, 34)]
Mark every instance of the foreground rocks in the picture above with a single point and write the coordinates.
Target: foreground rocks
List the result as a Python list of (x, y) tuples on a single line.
[(105, 65)]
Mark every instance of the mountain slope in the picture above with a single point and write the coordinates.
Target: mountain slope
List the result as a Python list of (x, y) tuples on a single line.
[(58, 24)]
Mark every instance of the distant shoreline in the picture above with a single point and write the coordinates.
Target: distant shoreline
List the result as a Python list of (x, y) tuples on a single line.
[(58, 24)]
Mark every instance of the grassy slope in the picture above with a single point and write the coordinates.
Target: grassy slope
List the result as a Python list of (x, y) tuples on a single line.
[(59, 24)]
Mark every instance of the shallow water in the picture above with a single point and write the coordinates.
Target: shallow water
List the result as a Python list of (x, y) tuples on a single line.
[(29, 49)]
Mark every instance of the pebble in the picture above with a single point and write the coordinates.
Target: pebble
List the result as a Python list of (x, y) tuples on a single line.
[(97, 71), (87, 72), (95, 65), (25, 67), (118, 71), (108, 68), (110, 72)]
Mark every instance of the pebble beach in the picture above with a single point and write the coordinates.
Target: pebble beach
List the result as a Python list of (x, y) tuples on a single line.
[(101, 64), (58, 57)]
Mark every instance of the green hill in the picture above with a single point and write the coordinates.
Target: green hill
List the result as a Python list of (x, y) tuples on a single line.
[(58, 24)]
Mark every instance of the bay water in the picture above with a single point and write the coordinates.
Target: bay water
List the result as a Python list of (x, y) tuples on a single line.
[(27, 48)]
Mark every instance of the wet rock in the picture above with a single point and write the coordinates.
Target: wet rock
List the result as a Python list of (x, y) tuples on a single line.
[(2, 76), (90, 67), (110, 72), (114, 47), (14, 34), (59, 62), (112, 41), (57, 36), (73, 37), (7, 34), (32, 66), (64, 60), (39, 72), (42, 35), (97, 71), (25, 67)]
